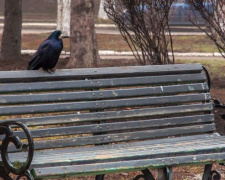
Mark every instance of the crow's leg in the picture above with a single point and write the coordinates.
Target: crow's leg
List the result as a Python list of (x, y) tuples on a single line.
[(50, 71)]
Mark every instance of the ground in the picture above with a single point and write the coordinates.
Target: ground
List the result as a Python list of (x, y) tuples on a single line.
[(217, 91)]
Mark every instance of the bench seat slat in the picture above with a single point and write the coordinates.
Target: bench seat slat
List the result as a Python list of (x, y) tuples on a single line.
[(113, 115), (128, 125), (100, 83), (205, 138), (106, 104), (98, 95), (110, 153), (68, 74), (128, 145), (157, 151), (122, 166), (128, 136)]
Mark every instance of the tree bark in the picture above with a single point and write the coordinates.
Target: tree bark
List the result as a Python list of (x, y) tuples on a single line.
[(11, 38), (63, 16), (84, 49)]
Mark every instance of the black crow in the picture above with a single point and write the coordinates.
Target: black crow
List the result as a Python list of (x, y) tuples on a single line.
[(48, 53)]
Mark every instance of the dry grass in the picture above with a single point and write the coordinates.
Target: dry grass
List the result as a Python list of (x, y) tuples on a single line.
[(116, 42)]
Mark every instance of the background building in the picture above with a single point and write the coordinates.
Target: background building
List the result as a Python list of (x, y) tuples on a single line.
[(46, 10)]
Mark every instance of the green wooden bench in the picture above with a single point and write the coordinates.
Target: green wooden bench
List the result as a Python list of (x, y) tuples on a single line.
[(107, 120)]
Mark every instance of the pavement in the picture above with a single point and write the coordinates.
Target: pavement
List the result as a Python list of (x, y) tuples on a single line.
[(108, 54), (35, 27), (40, 27)]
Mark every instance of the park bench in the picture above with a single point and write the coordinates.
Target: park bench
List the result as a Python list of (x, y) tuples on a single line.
[(106, 120)]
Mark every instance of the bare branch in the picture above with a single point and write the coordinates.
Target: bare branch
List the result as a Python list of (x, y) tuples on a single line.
[(143, 24), (213, 12)]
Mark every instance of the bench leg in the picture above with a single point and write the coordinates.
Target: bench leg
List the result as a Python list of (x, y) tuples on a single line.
[(99, 177), (165, 174), (3, 174), (210, 174), (207, 171)]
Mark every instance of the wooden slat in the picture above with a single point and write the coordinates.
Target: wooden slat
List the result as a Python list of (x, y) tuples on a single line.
[(130, 71), (128, 136), (80, 158), (163, 142), (110, 115), (98, 95), (100, 83), (123, 166), (110, 153), (128, 145), (119, 126), (107, 104), (133, 153)]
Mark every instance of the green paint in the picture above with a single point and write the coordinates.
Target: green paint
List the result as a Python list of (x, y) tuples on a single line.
[(191, 88), (121, 169)]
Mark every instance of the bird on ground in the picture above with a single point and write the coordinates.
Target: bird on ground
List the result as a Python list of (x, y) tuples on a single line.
[(48, 53)]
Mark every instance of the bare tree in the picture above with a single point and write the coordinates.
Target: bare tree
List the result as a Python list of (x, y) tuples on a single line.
[(143, 24), (11, 38), (213, 12), (84, 49)]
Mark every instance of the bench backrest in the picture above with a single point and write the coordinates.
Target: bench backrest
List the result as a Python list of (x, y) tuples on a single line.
[(78, 107)]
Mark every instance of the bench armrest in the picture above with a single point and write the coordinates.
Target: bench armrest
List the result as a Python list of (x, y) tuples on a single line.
[(207, 76), (216, 102), (6, 129)]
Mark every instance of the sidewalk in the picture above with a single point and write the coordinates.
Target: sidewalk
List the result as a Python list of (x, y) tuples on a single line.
[(129, 54), (43, 27)]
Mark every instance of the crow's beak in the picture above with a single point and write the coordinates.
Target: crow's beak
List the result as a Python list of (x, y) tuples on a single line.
[(62, 36)]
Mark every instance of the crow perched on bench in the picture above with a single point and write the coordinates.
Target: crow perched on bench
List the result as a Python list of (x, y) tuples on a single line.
[(48, 53)]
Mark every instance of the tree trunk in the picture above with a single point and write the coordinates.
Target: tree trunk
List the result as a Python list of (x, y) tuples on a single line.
[(63, 16), (84, 50), (11, 38)]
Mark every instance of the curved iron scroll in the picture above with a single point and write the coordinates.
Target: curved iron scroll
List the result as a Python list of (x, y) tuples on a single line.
[(5, 129), (208, 77), (215, 175), (147, 175), (27, 174)]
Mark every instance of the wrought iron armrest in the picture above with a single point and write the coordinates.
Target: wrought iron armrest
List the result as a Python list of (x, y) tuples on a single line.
[(207, 76), (217, 103), (7, 167)]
